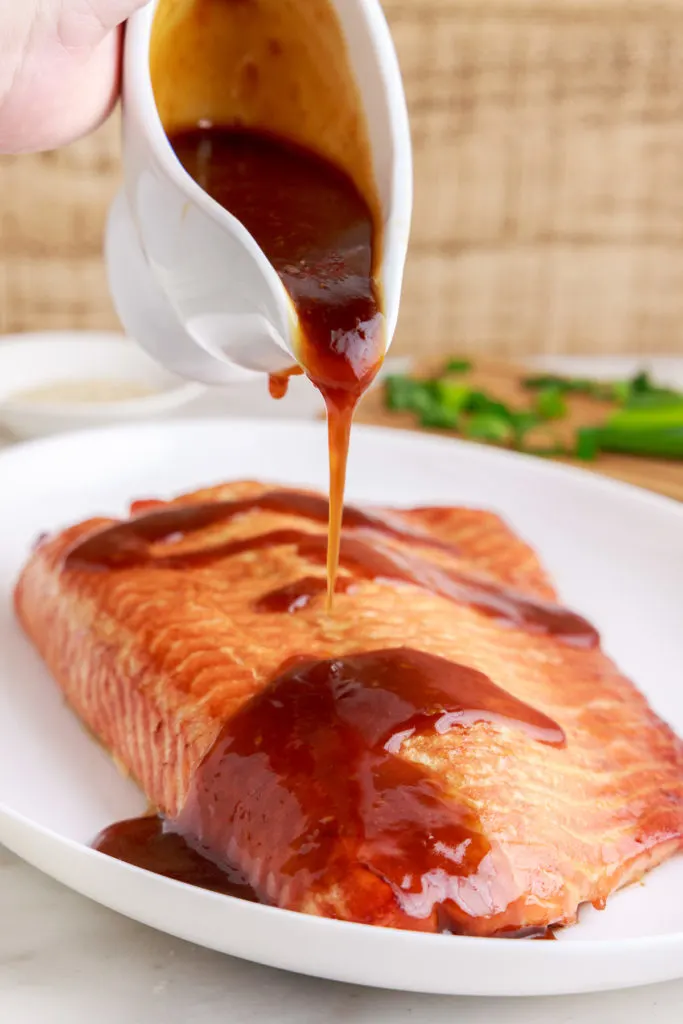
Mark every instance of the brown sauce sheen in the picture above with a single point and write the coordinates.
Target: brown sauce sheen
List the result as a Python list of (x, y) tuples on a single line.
[(319, 233), (313, 823), (364, 556), (539, 934), (127, 542), (299, 595), (151, 844), (321, 747)]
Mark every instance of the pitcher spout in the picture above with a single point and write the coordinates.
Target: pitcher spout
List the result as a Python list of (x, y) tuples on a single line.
[(188, 279)]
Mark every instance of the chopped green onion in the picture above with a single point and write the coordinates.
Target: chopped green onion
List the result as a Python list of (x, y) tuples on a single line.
[(551, 403), (570, 386), (659, 399), (486, 426), (647, 418), (400, 392), (458, 366), (664, 443), (622, 391), (437, 417), (587, 444), (481, 403), (454, 397), (522, 423), (641, 384), (648, 421)]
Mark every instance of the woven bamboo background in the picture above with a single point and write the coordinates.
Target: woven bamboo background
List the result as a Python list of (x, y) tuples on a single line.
[(549, 164)]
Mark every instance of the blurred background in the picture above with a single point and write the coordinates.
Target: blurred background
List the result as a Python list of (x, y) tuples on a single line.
[(549, 171)]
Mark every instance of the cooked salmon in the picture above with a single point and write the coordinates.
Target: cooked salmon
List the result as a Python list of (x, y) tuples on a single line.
[(448, 749)]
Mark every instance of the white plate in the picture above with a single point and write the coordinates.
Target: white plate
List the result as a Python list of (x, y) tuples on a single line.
[(616, 552)]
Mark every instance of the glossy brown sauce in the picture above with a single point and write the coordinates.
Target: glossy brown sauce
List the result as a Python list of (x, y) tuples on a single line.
[(320, 746), (364, 556), (319, 233), (153, 521), (313, 823), (537, 934), (299, 595), (151, 843)]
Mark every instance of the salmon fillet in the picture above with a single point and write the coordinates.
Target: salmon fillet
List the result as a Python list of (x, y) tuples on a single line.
[(158, 658)]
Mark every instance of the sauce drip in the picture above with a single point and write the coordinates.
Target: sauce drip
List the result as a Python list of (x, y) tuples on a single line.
[(127, 544), (536, 934), (320, 746), (150, 843), (319, 233), (278, 383)]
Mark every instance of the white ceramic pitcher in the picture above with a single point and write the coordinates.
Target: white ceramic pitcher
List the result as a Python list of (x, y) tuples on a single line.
[(188, 280)]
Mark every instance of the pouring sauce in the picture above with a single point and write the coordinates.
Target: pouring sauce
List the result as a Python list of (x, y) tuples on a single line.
[(319, 233), (328, 735)]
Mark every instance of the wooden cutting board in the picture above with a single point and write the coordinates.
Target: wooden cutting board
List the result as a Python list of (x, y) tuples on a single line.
[(503, 379)]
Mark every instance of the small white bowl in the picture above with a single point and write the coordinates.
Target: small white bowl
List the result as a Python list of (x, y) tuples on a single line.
[(37, 361)]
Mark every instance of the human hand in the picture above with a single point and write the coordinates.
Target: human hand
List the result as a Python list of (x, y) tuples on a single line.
[(59, 68)]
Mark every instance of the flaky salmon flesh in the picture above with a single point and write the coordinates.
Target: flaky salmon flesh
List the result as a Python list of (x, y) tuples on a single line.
[(161, 655)]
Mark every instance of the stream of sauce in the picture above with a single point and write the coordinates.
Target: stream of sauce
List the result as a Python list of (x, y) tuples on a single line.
[(319, 233)]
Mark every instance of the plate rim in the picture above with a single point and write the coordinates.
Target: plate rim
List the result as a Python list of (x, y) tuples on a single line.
[(660, 953), (602, 948), (490, 453), (332, 924)]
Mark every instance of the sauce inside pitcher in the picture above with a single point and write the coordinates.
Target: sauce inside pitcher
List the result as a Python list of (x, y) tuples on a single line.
[(319, 234)]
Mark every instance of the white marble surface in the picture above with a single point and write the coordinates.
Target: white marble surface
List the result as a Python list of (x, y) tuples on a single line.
[(65, 960)]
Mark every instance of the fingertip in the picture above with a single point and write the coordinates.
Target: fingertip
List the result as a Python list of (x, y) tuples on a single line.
[(58, 97)]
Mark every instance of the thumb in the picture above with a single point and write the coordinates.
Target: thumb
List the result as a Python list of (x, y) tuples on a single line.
[(85, 23), (61, 75)]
